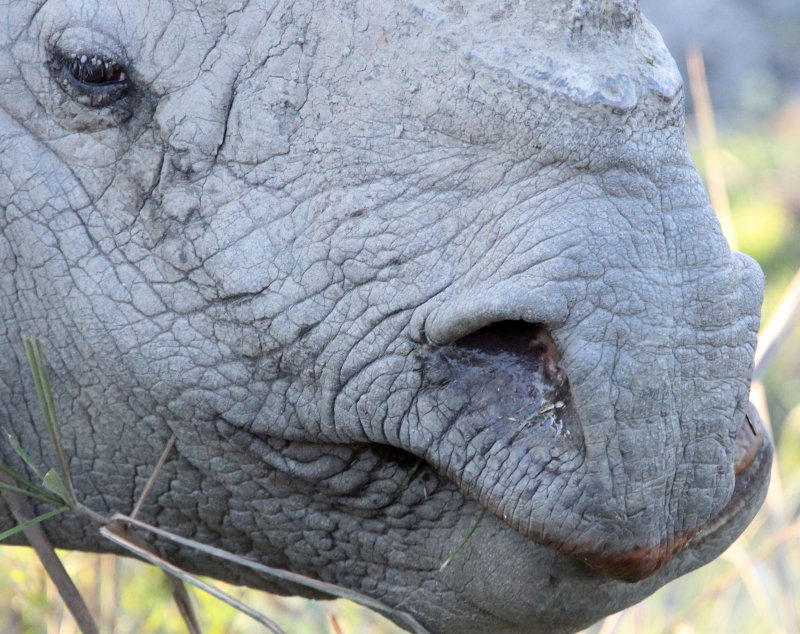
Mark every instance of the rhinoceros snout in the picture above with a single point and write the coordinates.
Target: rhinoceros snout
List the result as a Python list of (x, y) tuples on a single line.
[(526, 420)]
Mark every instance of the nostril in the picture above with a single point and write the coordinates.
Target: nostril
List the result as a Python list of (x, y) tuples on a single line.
[(529, 346)]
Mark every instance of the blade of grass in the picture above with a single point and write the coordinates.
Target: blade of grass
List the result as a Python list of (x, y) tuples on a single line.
[(32, 494), (464, 543), (53, 483), (293, 577), (33, 349), (24, 455), (19, 528), (20, 479), (110, 533), (412, 473)]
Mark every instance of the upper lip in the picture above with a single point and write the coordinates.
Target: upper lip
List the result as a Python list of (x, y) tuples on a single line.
[(751, 471)]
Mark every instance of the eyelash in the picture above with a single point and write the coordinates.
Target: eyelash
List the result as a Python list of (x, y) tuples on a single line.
[(95, 70), (91, 79)]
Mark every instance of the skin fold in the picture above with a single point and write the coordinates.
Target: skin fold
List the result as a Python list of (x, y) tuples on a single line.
[(330, 245)]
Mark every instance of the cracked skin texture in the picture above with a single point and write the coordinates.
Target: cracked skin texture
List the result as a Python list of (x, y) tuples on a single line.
[(321, 241)]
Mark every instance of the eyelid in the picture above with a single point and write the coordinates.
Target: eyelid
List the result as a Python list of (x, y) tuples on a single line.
[(76, 42), (65, 64)]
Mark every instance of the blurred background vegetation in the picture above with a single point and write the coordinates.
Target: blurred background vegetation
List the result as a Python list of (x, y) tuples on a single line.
[(752, 588)]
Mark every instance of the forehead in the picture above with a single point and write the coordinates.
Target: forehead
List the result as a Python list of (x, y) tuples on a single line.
[(536, 31), (181, 23), (581, 51), (177, 23)]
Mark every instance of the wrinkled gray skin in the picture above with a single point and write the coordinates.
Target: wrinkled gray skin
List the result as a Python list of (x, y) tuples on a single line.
[(265, 237)]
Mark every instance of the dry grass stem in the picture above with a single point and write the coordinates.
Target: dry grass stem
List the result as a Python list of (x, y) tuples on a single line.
[(610, 623), (788, 533), (151, 480), (770, 339), (50, 561), (118, 535), (285, 575), (715, 176), (783, 321), (337, 629), (745, 567)]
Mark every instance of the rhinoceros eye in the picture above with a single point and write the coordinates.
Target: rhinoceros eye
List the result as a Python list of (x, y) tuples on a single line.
[(92, 79), (96, 70)]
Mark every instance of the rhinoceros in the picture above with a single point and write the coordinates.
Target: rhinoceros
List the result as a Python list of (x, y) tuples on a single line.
[(383, 269)]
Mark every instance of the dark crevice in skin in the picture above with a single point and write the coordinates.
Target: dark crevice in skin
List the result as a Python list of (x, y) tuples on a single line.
[(402, 458)]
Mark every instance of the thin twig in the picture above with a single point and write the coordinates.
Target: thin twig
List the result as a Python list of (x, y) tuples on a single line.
[(120, 537), (179, 593), (52, 564), (151, 480), (184, 602), (335, 591)]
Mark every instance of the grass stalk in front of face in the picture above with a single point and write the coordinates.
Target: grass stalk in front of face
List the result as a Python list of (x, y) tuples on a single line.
[(57, 489), (60, 484)]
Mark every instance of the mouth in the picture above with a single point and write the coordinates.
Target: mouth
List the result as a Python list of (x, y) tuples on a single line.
[(534, 422), (752, 462)]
